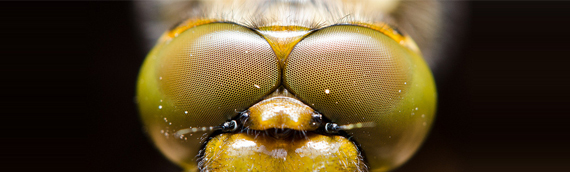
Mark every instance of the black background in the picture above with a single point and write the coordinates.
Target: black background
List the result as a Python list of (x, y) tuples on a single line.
[(68, 73)]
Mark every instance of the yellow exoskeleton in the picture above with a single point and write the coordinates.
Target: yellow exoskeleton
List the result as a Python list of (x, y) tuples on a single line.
[(289, 85)]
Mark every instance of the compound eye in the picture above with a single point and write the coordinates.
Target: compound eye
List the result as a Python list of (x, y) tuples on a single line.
[(348, 72), (203, 77), (354, 74), (213, 70)]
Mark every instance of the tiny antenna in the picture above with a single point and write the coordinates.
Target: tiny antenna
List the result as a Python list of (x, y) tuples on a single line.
[(334, 128), (229, 126)]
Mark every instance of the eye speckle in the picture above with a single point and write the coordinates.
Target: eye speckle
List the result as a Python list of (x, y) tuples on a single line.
[(327, 91), (185, 112), (399, 91), (159, 106), (255, 85), (160, 78)]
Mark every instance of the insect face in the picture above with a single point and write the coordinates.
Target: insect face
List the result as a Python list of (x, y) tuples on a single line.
[(219, 95)]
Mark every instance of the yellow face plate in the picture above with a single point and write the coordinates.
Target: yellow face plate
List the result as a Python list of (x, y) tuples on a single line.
[(280, 112), (242, 152)]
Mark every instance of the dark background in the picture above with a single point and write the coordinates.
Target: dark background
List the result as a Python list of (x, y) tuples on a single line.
[(68, 73)]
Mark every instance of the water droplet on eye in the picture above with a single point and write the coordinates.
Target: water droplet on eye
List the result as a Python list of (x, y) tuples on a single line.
[(413, 113), (185, 112), (159, 106), (335, 102), (161, 131), (416, 108), (399, 91), (327, 91), (181, 136), (170, 123), (256, 86), (423, 115), (165, 120), (313, 104), (405, 83), (245, 51), (160, 78)]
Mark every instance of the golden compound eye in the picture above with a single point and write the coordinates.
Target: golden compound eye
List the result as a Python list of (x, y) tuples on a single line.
[(344, 70), (217, 69), (353, 74), (203, 77)]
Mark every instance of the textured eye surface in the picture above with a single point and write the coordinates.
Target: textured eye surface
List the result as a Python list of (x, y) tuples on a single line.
[(353, 74), (217, 69), (203, 77), (345, 70)]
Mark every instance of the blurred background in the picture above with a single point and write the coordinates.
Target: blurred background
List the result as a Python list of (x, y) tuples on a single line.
[(69, 69)]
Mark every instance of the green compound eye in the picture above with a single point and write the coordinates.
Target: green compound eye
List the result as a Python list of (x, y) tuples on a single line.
[(202, 77), (353, 74)]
